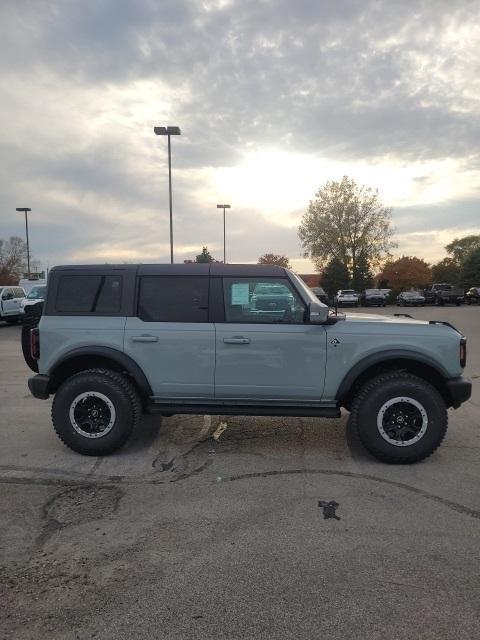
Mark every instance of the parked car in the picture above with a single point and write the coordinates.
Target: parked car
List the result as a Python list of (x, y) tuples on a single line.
[(11, 303), (27, 284), (275, 298), (443, 293), (373, 298), (346, 297), (410, 299), (472, 295), (116, 340), (321, 294), (34, 295)]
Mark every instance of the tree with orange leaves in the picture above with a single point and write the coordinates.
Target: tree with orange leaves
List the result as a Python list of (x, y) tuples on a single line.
[(407, 272)]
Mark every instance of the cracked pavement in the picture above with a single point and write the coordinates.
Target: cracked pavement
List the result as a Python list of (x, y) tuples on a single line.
[(281, 528)]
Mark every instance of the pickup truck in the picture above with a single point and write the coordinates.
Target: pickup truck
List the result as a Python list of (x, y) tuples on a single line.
[(443, 293), (114, 341)]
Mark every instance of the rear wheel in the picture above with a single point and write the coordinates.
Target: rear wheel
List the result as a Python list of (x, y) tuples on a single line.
[(399, 417), (95, 411)]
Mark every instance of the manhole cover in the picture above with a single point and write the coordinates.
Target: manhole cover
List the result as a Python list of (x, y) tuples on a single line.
[(82, 504)]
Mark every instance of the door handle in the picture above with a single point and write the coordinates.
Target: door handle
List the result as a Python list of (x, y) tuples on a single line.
[(144, 338), (236, 340)]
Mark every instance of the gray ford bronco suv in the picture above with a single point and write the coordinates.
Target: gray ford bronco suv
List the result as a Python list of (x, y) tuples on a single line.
[(115, 340)]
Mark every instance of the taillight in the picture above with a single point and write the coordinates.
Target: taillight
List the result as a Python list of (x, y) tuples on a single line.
[(35, 343), (463, 352)]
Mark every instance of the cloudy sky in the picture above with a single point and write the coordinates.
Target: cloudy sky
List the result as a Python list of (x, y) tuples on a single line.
[(274, 98)]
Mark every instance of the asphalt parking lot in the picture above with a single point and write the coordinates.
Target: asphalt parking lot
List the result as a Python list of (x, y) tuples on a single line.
[(183, 536)]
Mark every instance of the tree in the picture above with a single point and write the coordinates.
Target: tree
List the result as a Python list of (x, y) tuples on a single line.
[(461, 247), (471, 269), (205, 256), (335, 276), (273, 258), (13, 256), (344, 221), (447, 270), (362, 277), (405, 273)]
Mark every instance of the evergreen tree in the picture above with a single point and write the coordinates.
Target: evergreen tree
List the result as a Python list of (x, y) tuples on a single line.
[(471, 269), (205, 256), (362, 277), (335, 276)]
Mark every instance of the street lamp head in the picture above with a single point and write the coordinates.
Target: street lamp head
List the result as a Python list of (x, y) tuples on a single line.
[(23, 209), (223, 206), (167, 131)]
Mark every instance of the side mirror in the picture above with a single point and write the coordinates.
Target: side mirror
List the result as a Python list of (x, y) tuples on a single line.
[(317, 313)]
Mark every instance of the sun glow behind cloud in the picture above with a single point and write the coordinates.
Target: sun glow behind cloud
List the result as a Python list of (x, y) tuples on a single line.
[(280, 184)]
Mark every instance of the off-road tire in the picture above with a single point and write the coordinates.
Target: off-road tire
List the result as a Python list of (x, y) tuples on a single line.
[(375, 393), (120, 392)]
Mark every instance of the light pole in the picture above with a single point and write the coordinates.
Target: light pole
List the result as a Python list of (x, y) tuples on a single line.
[(26, 210), (169, 131), (224, 206)]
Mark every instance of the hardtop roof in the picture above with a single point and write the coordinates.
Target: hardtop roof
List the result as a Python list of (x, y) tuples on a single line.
[(192, 268)]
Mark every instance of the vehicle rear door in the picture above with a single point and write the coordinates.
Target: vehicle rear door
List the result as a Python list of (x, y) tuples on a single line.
[(266, 352), (170, 337)]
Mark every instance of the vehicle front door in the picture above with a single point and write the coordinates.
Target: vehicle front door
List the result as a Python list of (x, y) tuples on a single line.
[(10, 305), (170, 337), (266, 352)]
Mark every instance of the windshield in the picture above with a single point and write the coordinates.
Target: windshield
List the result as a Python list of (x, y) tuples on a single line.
[(410, 294), (36, 293), (373, 291), (443, 287), (348, 292)]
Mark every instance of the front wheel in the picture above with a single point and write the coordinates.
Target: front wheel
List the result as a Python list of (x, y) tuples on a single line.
[(95, 411), (399, 417)]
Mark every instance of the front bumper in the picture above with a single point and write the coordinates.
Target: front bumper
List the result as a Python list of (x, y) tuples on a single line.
[(38, 386), (460, 390)]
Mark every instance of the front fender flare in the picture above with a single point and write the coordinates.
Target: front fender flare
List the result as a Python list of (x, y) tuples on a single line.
[(382, 357)]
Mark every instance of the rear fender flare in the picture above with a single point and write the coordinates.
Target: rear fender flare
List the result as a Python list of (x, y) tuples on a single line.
[(120, 358)]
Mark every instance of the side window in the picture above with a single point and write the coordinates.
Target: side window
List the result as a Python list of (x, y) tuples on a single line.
[(173, 299), (110, 297), (7, 294), (256, 300), (89, 294), (19, 293)]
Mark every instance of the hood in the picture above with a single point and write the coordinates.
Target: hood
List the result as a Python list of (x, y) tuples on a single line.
[(370, 317)]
